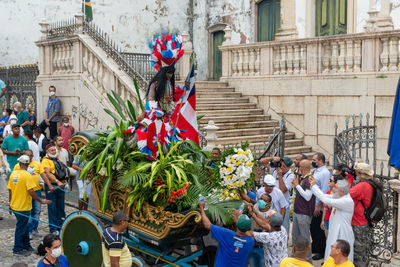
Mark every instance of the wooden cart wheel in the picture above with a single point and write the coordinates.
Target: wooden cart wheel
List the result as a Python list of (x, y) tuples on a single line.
[(81, 236)]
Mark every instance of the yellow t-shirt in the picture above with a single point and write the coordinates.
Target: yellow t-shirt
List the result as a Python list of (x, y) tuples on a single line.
[(48, 163), (292, 262), (19, 184), (330, 262), (35, 169)]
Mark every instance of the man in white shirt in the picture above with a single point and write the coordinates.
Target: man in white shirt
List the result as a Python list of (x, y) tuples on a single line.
[(41, 141), (62, 153), (28, 134), (279, 202)]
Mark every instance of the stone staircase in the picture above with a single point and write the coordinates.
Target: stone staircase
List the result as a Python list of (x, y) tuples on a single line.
[(239, 120)]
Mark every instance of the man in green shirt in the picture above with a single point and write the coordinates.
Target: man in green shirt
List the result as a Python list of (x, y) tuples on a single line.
[(14, 145), (22, 116)]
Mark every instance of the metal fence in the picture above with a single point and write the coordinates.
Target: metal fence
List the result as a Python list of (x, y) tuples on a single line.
[(358, 142), (20, 80)]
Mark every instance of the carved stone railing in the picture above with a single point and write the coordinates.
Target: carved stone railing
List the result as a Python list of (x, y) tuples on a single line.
[(329, 55)]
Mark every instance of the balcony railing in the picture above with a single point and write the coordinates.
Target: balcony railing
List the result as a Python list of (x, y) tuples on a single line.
[(330, 55)]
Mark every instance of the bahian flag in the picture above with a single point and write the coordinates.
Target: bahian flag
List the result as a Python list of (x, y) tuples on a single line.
[(87, 10), (185, 112), (394, 136)]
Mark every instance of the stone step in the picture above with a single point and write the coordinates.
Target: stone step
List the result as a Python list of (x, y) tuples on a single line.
[(288, 143), (297, 149), (289, 152), (210, 84), (249, 131), (212, 107), (215, 90), (234, 119), (206, 93), (211, 114), (221, 100), (244, 125), (250, 138)]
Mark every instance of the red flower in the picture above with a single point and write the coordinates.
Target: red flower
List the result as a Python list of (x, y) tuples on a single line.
[(179, 193)]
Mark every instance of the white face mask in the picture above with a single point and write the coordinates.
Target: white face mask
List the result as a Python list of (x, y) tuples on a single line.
[(66, 124), (52, 93), (55, 253), (15, 109), (52, 155), (4, 114)]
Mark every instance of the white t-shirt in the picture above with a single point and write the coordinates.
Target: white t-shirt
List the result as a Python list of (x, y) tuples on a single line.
[(275, 246), (62, 155), (35, 149), (278, 199), (287, 180)]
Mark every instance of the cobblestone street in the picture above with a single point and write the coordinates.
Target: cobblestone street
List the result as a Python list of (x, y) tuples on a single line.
[(7, 227)]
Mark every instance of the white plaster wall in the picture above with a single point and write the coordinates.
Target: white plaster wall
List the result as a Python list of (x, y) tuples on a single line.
[(131, 23), (301, 6), (396, 14), (361, 15)]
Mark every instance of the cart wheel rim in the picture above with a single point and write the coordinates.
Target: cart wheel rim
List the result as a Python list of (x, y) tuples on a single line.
[(81, 240)]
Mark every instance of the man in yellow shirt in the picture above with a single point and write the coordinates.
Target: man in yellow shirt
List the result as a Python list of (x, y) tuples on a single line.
[(21, 191), (115, 250), (340, 251), (35, 170), (300, 251), (56, 210)]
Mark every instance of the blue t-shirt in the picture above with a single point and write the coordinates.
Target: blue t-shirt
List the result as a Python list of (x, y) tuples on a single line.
[(54, 105), (62, 262), (77, 161), (233, 250)]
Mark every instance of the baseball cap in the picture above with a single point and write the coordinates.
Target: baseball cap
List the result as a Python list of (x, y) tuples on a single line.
[(243, 223), (261, 204), (288, 161), (364, 168), (24, 159), (276, 219), (15, 125), (269, 180)]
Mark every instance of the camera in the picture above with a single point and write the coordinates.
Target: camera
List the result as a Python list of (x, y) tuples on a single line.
[(275, 164)]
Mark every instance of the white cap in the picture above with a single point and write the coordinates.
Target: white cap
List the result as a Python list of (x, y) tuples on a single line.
[(269, 180), (24, 159), (12, 116)]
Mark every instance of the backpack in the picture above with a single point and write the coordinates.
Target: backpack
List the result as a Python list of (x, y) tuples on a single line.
[(62, 171), (375, 212)]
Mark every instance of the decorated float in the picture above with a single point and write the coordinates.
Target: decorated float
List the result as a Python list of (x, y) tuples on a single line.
[(150, 165)]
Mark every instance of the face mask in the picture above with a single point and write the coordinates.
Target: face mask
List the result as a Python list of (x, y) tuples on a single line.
[(52, 155), (15, 109), (66, 124), (4, 114), (52, 93), (55, 253), (314, 164)]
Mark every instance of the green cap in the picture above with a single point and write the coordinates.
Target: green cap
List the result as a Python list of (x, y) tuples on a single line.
[(287, 161), (244, 223)]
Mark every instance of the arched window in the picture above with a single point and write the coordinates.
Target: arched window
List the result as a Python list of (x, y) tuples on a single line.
[(331, 17), (268, 19)]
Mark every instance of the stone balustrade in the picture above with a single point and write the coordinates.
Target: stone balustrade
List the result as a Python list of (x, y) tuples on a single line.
[(329, 55)]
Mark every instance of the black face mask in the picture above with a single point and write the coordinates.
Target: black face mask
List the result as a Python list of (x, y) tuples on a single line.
[(314, 164)]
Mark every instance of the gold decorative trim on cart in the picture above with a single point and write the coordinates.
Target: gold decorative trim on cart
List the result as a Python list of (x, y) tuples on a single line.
[(76, 143)]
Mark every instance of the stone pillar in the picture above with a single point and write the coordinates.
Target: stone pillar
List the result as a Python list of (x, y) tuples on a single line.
[(288, 29), (384, 21), (184, 62), (226, 59), (44, 28), (79, 21), (211, 135)]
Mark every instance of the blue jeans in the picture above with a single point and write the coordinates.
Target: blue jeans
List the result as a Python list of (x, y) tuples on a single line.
[(21, 237), (56, 209), (256, 257), (35, 213)]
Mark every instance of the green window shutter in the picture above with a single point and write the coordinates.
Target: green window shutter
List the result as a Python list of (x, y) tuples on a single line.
[(268, 19), (218, 39), (330, 17)]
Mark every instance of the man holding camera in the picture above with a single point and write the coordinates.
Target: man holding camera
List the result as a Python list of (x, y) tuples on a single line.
[(280, 169)]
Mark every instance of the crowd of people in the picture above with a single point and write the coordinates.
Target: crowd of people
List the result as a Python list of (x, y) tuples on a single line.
[(328, 219), (38, 169)]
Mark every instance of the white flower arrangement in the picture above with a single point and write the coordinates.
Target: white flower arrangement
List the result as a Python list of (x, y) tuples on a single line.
[(234, 171)]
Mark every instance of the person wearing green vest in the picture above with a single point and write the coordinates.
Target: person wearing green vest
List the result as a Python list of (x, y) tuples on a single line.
[(22, 116)]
